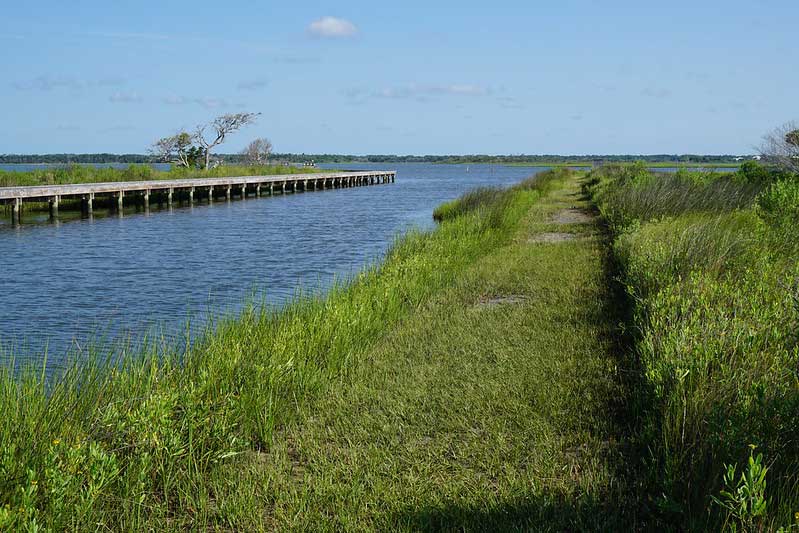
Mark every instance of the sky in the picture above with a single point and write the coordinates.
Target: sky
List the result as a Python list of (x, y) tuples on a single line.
[(411, 77)]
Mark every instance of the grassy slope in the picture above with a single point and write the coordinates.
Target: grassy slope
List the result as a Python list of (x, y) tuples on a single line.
[(470, 415)]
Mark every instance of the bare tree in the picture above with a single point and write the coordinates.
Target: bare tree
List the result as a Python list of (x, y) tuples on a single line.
[(258, 151), (781, 147), (222, 126), (173, 149)]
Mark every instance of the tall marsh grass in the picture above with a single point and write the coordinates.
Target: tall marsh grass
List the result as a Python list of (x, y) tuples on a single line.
[(91, 174), (149, 443), (717, 335)]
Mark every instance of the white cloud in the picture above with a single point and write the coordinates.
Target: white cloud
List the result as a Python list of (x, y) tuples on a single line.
[(332, 27)]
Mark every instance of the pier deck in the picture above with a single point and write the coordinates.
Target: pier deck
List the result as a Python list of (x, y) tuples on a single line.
[(210, 188)]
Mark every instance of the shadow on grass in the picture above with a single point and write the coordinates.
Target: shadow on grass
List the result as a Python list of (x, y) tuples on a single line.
[(549, 512)]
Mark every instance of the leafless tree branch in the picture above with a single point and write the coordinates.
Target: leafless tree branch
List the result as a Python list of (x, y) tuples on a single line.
[(781, 147), (258, 151), (221, 127)]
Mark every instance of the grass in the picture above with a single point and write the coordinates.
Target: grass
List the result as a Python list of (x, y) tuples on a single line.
[(518, 368), (169, 440), (712, 289), (497, 406), (91, 174)]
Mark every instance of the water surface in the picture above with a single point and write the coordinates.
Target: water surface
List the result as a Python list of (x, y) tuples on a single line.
[(65, 283)]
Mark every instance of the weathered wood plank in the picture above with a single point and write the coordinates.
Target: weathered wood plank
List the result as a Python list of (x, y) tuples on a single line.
[(79, 189)]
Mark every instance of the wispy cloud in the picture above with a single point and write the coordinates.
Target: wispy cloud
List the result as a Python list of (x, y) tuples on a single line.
[(127, 35), (119, 128), (654, 92), (207, 102), (252, 85), (125, 98), (420, 93), (288, 59), (176, 100), (48, 83), (332, 28), (212, 103), (509, 102)]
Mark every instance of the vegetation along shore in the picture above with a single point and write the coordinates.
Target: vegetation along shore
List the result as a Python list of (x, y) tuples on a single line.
[(613, 350)]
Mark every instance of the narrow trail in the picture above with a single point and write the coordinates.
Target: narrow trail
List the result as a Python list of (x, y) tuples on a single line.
[(492, 408)]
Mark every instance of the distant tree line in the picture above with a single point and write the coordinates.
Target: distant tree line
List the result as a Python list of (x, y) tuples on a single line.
[(251, 154)]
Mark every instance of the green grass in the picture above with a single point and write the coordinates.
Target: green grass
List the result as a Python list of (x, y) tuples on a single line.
[(91, 174), (497, 406), (170, 441), (715, 308), (515, 369)]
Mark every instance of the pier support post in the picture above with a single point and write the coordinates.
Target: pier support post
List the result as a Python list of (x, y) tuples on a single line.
[(90, 204), (243, 191), (191, 195), (210, 194), (271, 189), (393, 176), (304, 185), (258, 190), (16, 211), (120, 195), (228, 192), (169, 197), (283, 187), (54, 206), (147, 200)]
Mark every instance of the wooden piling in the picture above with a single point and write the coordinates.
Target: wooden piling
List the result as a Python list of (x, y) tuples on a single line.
[(54, 207)]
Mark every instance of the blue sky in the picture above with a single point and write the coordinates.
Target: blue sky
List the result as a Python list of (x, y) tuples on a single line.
[(568, 77)]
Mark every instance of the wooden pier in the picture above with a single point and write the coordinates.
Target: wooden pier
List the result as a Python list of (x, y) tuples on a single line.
[(191, 190)]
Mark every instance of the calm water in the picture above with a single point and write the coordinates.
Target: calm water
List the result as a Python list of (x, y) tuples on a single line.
[(65, 283)]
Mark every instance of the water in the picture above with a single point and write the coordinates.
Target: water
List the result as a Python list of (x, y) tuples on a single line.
[(65, 283)]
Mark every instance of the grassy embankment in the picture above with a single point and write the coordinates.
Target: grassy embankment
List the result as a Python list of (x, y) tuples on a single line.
[(423, 393), (710, 266)]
